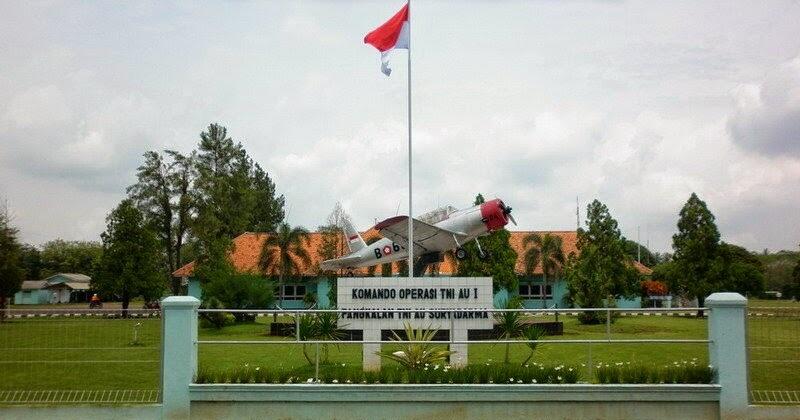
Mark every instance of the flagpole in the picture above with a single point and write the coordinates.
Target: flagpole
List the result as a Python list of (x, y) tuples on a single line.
[(410, 206)]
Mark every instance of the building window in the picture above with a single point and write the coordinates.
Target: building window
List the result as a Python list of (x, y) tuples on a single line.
[(534, 291), (294, 291)]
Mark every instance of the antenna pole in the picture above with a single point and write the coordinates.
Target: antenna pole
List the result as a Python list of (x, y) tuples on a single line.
[(410, 205)]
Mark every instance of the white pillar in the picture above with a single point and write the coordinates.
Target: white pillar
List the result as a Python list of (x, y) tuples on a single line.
[(370, 360), (459, 359), (179, 354), (727, 351)]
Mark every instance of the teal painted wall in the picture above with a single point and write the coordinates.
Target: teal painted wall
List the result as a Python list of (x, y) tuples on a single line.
[(194, 289), (323, 287), (32, 297)]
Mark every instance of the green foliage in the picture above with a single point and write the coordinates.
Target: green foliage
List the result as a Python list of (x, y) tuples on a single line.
[(533, 333), (509, 324), (415, 356), (431, 374), (323, 327), (11, 271), (637, 373), (241, 291), (31, 262), (215, 319), (696, 246), (162, 194), (778, 272), (737, 270), (794, 288), (230, 193), (545, 250), (130, 265), (602, 270), (60, 256), (634, 249), (285, 252), (499, 262)]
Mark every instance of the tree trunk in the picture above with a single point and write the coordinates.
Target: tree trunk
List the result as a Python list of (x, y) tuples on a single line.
[(3, 305), (280, 296), (544, 289), (700, 301), (125, 302)]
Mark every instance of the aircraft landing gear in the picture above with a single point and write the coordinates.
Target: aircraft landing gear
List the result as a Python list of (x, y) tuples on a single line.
[(482, 255), (461, 253)]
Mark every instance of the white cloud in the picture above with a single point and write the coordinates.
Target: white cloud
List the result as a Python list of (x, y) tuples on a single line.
[(537, 103), (767, 115)]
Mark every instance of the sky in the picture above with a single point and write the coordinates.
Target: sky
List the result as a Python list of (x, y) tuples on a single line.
[(636, 104)]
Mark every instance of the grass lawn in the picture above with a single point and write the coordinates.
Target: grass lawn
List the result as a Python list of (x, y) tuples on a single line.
[(98, 353)]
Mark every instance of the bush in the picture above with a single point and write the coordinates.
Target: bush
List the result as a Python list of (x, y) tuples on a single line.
[(241, 291), (686, 372), (486, 373), (215, 319)]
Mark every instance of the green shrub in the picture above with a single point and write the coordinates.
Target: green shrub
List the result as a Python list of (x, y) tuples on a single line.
[(686, 372), (415, 356)]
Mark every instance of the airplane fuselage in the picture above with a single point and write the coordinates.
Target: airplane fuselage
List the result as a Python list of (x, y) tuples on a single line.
[(470, 223)]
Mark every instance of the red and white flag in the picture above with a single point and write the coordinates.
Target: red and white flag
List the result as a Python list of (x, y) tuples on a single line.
[(394, 34)]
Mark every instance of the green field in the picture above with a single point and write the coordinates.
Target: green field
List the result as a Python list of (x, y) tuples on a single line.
[(98, 353)]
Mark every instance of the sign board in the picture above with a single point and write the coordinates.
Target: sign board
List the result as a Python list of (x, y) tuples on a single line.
[(427, 295)]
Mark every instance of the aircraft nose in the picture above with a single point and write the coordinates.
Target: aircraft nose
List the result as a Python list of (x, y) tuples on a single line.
[(494, 214)]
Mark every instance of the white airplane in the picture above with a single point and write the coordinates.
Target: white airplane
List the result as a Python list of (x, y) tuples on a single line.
[(435, 232)]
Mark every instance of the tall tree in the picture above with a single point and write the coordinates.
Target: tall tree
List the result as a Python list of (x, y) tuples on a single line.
[(602, 270), (180, 180), (131, 261), (737, 270), (153, 195), (31, 262), (60, 256), (11, 271), (285, 252), (267, 207), (499, 260), (696, 246), (546, 250), (794, 287)]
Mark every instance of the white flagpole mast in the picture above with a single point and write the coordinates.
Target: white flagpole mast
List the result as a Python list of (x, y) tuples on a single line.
[(410, 207)]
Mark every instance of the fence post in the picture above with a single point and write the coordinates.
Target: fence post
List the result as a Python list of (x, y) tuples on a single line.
[(178, 355), (727, 350)]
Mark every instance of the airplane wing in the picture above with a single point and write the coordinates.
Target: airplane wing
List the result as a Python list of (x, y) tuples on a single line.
[(337, 263), (427, 237)]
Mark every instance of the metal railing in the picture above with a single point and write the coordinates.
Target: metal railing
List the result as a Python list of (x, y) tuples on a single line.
[(773, 345), (64, 356), (607, 337)]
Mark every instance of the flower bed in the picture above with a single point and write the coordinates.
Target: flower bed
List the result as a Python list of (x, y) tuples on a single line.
[(685, 372), (488, 373)]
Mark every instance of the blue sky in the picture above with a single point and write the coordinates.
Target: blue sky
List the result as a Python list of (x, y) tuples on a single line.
[(637, 104)]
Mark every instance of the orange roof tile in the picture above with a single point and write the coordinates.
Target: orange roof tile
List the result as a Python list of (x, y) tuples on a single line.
[(246, 252)]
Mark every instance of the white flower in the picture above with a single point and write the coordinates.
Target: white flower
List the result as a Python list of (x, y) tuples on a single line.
[(348, 381), (559, 378), (398, 353), (258, 367), (510, 379), (534, 381), (334, 381), (310, 381), (519, 381)]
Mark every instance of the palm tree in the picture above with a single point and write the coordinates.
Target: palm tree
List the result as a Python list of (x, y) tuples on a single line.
[(547, 251), (285, 252)]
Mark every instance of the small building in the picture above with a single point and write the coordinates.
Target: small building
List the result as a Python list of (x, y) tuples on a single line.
[(58, 288), (535, 292), (32, 292)]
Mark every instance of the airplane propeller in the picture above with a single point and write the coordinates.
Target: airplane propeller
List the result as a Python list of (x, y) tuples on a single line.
[(507, 211)]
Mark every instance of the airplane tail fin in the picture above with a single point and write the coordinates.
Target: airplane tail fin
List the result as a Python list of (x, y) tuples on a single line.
[(354, 240)]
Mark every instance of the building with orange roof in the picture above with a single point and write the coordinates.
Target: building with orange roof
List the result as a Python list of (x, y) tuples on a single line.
[(246, 252)]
